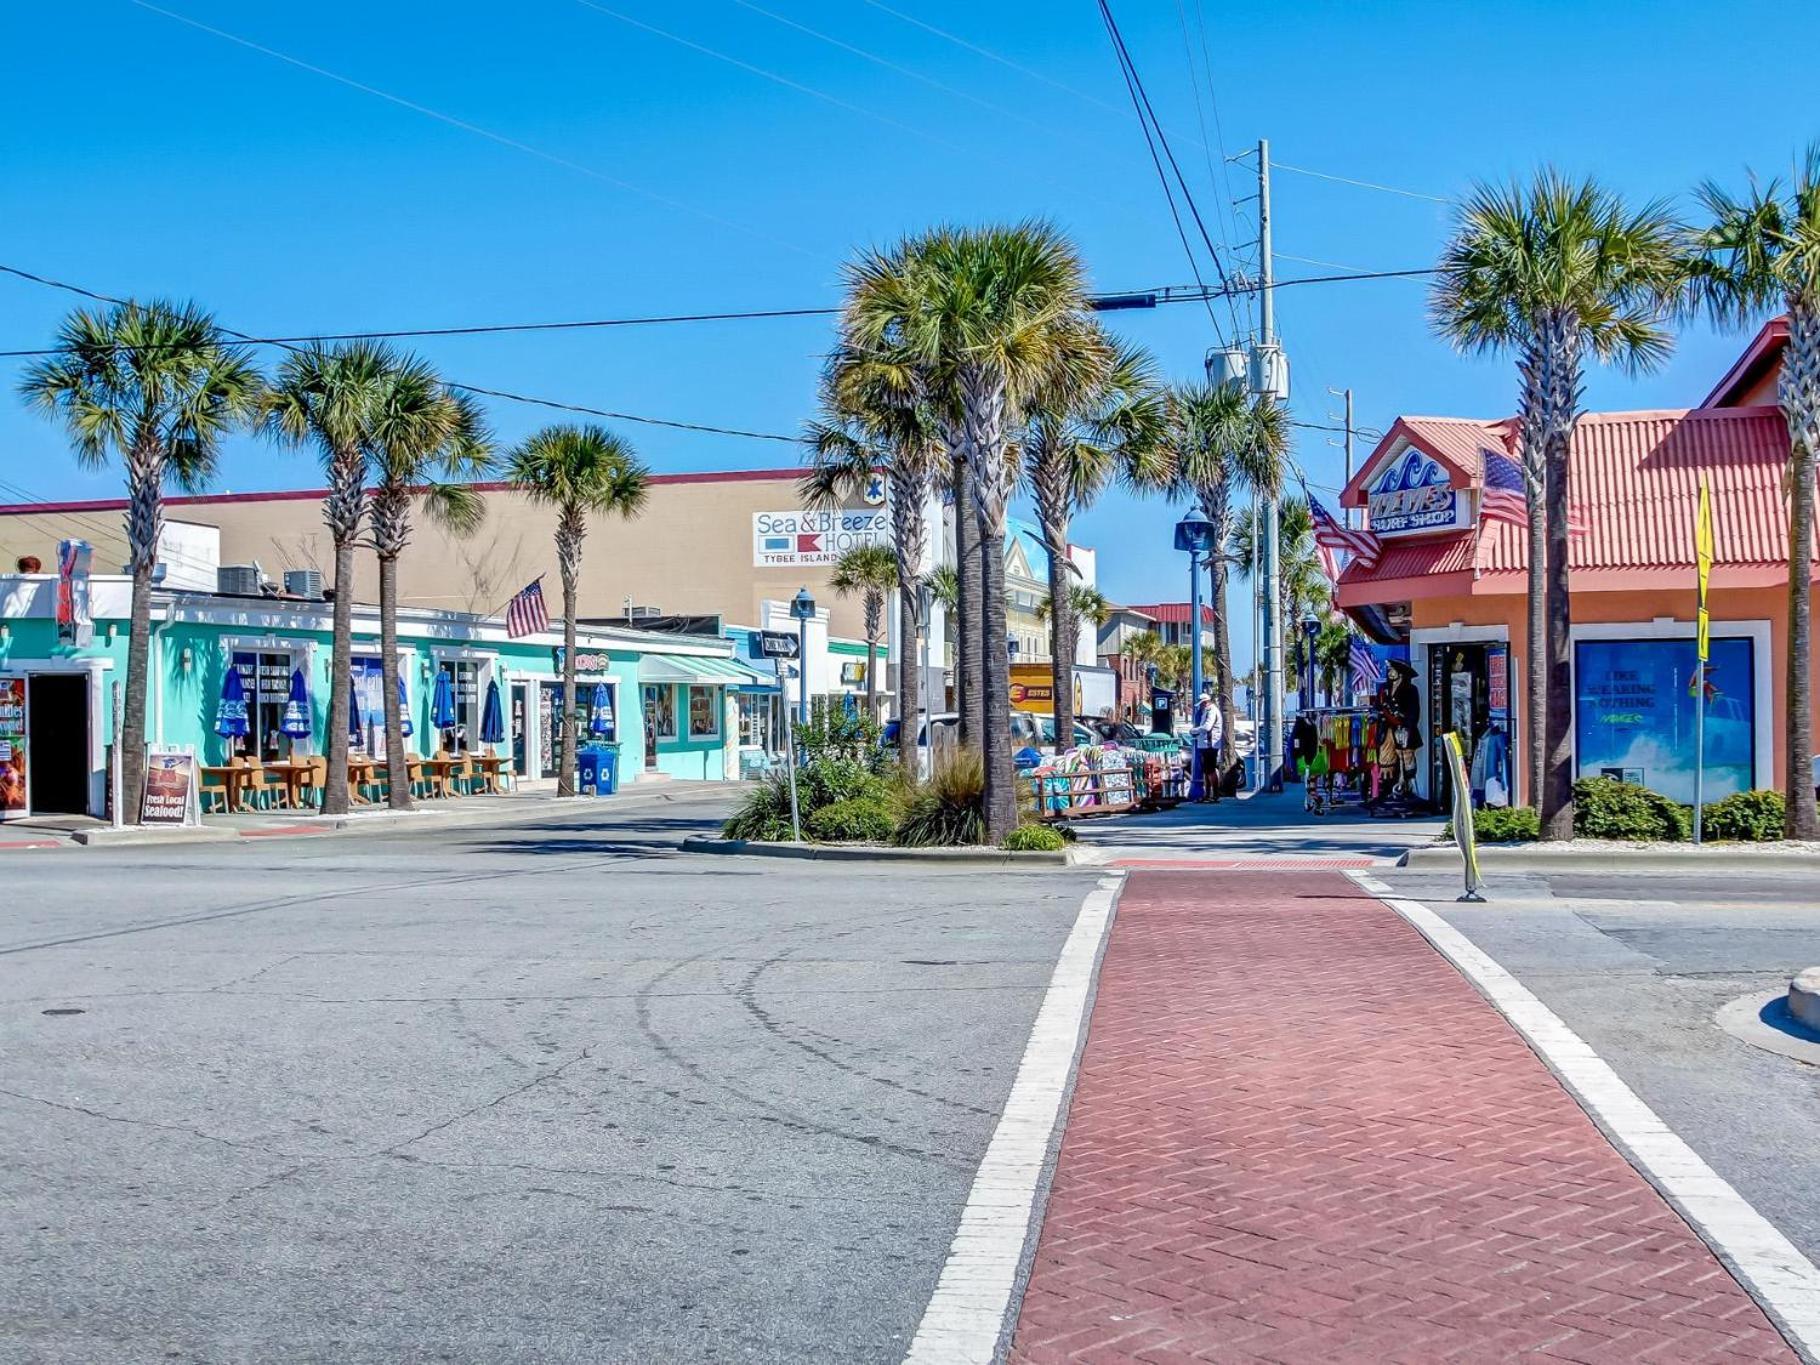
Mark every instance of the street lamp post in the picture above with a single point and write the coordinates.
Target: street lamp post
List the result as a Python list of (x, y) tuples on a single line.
[(802, 607), (1194, 535)]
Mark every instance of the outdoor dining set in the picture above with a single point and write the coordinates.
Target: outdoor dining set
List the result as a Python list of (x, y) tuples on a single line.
[(244, 783)]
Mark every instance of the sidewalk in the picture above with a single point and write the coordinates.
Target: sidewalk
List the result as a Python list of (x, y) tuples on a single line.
[(1299, 1135), (1251, 830)]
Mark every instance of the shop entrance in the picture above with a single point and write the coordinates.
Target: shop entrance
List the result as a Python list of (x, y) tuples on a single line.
[(57, 739), (1469, 693), (521, 756)]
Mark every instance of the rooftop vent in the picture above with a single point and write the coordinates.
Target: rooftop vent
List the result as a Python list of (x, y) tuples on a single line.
[(305, 583), (238, 580)]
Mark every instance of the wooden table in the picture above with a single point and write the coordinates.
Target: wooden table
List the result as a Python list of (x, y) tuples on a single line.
[(235, 779), (491, 767), (360, 770), (293, 775), (440, 770)]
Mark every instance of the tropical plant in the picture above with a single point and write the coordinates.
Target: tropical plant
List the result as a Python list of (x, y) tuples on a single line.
[(1505, 824), (945, 586), (582, 472), (871, 571), (948, 808), (764, 814), (1754, 252), (1112, 427), (990, 321), (1225, 443), (859, 819), (1554, 271), (155, 386), (1085, 604), (1034, 839), (1302, 586), (324, 397), (875, 419), (1174, 665), (423, 438)]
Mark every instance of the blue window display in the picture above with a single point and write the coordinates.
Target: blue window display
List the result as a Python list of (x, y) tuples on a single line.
[(1634, 714)]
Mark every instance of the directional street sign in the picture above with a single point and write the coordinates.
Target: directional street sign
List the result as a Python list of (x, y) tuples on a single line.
[(774, 644)]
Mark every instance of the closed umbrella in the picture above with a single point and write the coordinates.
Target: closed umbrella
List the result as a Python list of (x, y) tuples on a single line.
[(492, 717), (404, 710), (442, 703), (356, 731), (230, 713), (296, 721), (600, 711)]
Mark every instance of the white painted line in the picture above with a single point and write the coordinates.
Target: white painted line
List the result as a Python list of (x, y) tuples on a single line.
[(1784, 1282), (967, 1313)]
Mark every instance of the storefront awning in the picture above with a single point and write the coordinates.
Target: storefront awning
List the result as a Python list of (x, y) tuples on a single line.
[(703, 672)]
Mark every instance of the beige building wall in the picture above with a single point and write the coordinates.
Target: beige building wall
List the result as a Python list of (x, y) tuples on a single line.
[(689, 551)]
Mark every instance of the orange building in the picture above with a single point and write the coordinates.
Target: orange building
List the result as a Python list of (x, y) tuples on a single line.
[(1452, 585)]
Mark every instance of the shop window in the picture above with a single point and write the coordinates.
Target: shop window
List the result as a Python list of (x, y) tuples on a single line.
[(704, 713), (660, 710), (1634, 714), (266, 676), (758, 719), (464, 684)]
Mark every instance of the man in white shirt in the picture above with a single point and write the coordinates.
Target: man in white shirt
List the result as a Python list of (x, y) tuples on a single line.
[(1209, 730)]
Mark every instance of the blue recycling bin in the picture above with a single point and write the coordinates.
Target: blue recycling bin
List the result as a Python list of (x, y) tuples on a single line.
[(597, 770)]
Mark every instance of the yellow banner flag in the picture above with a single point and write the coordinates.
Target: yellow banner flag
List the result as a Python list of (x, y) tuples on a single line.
[(1703, 558)]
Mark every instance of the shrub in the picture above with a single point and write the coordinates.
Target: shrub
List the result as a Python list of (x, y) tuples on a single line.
[(950, 807), (1607, 809), (1753, 815), (829, 778), (863, 819), (764, 814), (1506, 825), (832, 733), (1034, 839)]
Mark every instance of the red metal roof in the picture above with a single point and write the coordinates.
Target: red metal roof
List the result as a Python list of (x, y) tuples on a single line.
[(1171, 613), (1454, 441), (1634, 477), (1763, 353)]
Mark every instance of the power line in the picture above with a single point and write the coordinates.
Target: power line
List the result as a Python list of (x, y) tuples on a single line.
[(500, 138), (1363, 184), (1213, 179)]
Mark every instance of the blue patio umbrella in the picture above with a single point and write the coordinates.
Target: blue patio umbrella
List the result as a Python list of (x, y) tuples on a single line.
[(404, 710), (356, 731), (600, 711), (296, 721), (442, 702), (230, 712), (492, 717)]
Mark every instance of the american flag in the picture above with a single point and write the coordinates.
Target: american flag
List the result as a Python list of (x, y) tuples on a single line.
[(1506, 494), (526, 614), (1330, 535), (1366, 675)]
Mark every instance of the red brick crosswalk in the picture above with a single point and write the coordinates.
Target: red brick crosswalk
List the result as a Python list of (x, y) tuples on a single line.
[(1299, 1135)]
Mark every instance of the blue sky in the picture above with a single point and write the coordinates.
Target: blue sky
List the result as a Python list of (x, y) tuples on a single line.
[(622, 172)]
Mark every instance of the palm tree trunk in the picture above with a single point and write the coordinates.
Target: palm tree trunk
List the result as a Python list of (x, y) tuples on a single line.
[(129, 745), (909, 675), (995, 720), (1535, 703), (565, 775), (1061, 651), (968, 680), (1557, 791), (335, 781), (1799, 393), (397, 765), (1224, 692)]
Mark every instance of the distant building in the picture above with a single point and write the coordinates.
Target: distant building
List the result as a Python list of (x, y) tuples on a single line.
[(1172, 621)]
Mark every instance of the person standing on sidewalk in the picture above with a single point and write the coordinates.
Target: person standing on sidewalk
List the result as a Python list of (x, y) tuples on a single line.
[(1209, 730)]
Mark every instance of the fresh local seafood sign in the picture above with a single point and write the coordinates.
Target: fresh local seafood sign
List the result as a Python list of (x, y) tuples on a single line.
[(782, 540)]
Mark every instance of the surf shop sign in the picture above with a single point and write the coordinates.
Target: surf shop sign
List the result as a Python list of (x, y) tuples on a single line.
[(1413, 494)]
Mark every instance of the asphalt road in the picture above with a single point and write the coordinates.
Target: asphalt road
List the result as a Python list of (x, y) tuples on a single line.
[(1638, 966), (549, 1093)]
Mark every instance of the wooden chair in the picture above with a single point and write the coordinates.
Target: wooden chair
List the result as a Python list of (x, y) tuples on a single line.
[(419, 778), (214, 785), (311, 784), (267, 789)]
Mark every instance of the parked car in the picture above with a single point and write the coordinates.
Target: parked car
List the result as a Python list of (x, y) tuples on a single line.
[(1026, 731)]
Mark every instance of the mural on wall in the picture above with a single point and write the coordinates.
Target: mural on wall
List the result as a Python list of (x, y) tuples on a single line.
[(1634, 714)]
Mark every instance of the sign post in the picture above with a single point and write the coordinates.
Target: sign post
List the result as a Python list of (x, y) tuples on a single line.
[(796, 822), (1703, 559)]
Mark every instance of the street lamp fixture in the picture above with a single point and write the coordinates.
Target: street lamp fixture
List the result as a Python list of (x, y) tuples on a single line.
[(1194, 536)]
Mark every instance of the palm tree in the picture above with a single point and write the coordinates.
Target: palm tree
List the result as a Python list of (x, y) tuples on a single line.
[(1173, 665), (1224, 443), (325, 397), (156, 387), (870, 571), (581, 471), (1112, 428), (991, 320), (1553, 271), (1757, 252), (876, 419), (421, 433), (1302, 586)]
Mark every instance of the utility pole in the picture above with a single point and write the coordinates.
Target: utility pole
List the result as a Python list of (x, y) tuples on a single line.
[(1345, 512), (1272, 750)]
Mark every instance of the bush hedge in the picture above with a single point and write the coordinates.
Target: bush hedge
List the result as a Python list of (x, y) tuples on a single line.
[(860, 819), (764, 814), (1506, 825), (1035, 839), (949, 808), (1605, 808), (1754, 816)]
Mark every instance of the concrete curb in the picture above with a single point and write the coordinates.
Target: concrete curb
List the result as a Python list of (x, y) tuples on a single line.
[(135, 835), (1566, 858), (875, 853), (1804, 998)]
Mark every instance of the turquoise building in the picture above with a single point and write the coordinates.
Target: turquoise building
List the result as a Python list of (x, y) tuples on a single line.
[(671, 697)]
